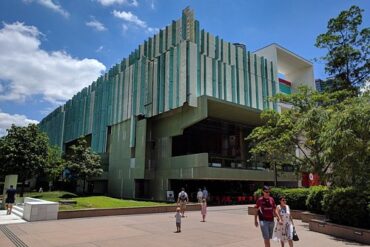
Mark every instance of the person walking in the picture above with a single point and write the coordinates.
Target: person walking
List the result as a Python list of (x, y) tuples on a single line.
[(265, 212), (200, 195), (203, 209), (283, 231), (10, 199), (182, 200), (178, 220), (205, 193)]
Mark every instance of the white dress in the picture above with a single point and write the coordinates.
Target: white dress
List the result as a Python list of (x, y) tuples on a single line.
[(283, 232)]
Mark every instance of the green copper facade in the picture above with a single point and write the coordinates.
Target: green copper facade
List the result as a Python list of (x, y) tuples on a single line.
[(159, 90), (175, 66)]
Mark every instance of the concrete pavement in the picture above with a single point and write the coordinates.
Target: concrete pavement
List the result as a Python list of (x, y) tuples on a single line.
[(228, 226), (9, 219)]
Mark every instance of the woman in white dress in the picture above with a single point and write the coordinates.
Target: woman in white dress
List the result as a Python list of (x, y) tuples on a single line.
[(283, 231)]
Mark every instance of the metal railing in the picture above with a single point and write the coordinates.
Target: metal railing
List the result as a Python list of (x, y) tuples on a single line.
[(226, 162)]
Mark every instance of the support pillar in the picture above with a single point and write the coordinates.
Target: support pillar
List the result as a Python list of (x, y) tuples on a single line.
[(9, 180)]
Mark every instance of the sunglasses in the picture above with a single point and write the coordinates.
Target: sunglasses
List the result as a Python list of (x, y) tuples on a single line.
[(266, 191), (283, 200)]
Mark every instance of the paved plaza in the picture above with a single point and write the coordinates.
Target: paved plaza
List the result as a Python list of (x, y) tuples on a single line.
[(229, 226)]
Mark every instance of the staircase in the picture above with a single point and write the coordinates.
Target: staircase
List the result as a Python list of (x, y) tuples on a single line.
[(15, 217), (18, 210)]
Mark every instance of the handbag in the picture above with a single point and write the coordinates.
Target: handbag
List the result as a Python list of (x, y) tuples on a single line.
[(295, 235)]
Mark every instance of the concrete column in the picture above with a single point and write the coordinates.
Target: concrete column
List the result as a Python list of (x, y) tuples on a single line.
[(242, 147), (9, 180)]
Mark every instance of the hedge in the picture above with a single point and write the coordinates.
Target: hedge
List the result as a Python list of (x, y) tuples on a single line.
[(315, 197), (296, 197), (348, 206)]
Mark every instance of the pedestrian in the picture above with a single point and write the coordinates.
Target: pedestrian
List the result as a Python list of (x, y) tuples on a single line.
[(182, 200), (10, 199), (205, 193), (283, 231), (178, 220), (265, 206), (203, 210), (200, 195), (41, 190)]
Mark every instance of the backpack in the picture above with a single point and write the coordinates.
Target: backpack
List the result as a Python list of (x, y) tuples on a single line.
[(183, 196)]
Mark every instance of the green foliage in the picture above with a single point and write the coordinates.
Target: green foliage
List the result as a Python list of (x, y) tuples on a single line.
[(321, 126), (296, 197), (348, 57), (23, 151), (315, 197), (348, 206), (298, 127), (346, 143), (55, 163), (82, 162)]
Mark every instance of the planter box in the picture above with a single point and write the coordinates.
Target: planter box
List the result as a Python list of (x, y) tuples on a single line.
[(340, 231), (307, 216), (36, 209), (122, 211)]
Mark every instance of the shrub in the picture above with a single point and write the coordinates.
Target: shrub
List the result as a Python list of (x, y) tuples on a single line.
[(296, 197), (347, 206), (315, 197)]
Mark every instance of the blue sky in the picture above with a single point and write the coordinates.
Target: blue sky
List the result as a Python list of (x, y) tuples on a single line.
[(51, 49)]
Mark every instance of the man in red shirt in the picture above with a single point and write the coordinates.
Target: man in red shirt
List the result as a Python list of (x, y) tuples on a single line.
[(265, 211)]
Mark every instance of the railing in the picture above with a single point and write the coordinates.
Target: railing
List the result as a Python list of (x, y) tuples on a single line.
[(225, 162)]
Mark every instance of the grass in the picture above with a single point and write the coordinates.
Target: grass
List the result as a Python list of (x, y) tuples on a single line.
[(89, 201)]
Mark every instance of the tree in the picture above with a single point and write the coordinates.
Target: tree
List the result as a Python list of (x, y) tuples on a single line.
[(348, 57), (23, 151), (55, 164), (346, 143), (301, 128), (82, 163), (270, 138)]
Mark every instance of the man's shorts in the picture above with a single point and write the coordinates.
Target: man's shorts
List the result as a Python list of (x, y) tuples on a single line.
[(182, 205), (9, 201), (267, 228)]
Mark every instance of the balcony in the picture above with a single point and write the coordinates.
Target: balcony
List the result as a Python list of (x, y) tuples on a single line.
[(224, 162)]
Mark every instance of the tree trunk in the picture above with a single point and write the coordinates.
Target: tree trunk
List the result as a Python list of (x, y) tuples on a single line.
[(22, 189), (275, 175), (83, 189)]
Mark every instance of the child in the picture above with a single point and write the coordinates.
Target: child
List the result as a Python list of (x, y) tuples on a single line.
[(203, 210), (178, 220)]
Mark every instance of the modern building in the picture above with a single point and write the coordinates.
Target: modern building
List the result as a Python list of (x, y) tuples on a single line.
[(176, 111)]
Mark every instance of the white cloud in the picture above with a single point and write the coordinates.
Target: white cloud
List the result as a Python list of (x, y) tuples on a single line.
[(27, 70), (134, 3), (132, 19), (6, 121), (124, 28), (100, 48), (152, 5), (129, 17), (97, 25), (50, 5)]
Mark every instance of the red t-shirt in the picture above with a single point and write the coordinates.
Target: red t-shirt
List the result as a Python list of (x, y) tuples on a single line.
[(266, 207)]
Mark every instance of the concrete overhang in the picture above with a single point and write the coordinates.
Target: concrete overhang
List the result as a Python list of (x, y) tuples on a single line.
[(287, 61), (233, 112)]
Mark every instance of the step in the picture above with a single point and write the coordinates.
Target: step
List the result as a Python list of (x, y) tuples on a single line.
[(18, 211), (9, 219)]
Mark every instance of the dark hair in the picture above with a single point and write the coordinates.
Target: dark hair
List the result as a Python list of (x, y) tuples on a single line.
[(11, 186), (265, 187), (281, 198)]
